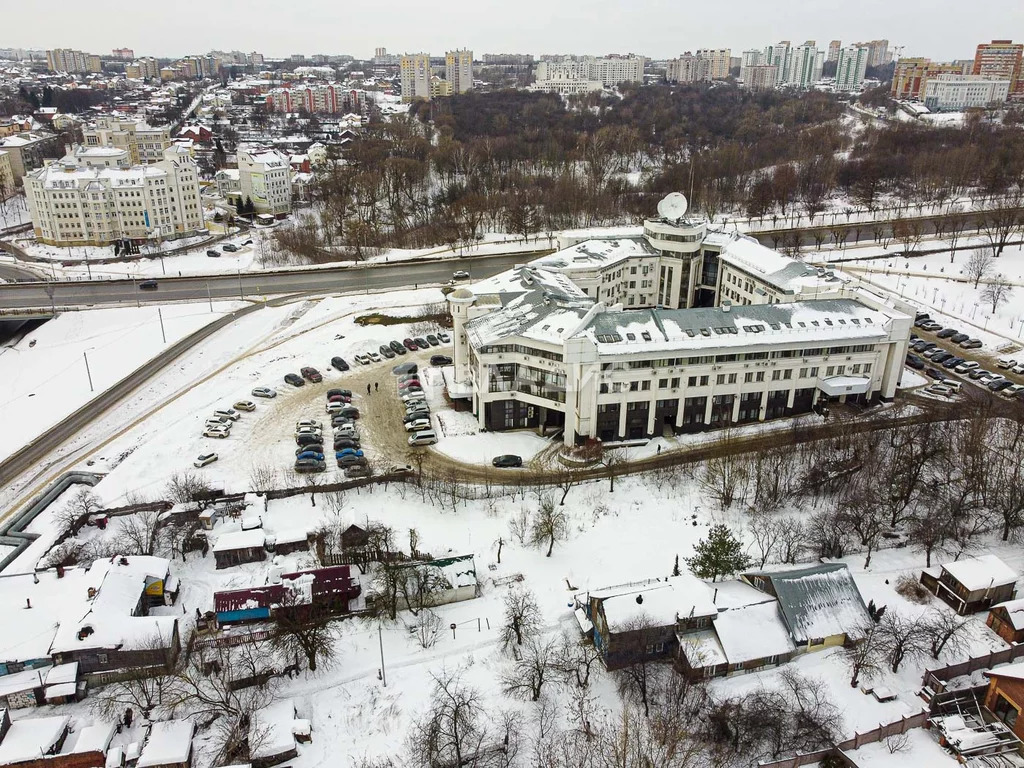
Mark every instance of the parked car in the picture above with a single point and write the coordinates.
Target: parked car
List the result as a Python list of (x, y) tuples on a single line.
[(941, 357), (312, 374), (339, 399), (415, 396), (310, 465), (264, 392), (424, 437), (219, 421), (934, 374), (348, 452), (244, 405), (339, 363), (508, 460), (203, 459), (358, 470), (1005, 362), (440, 360), (971, 344), (213, 253), (345, 442), (342, 421), (953, 384), (410, 344), (310, 454), (432, 340), (1012, 390), (966, 367), (309, 439), (346, 430), (915, 362), (362, 359), (218, 432), (930, 325), (939, 389), (418, 425), (397, 347), (405, 368), (308, 422), (411, 383), (315, 447), (988, 377), (374, 357), (337, 391), (933, 352), (959, 338), (952, 362), (148, 285), (387, 351), (460, 274), (349, 411), (294, 379), (421, 342), (1018, 369), (946, 333), (230, 247), (228, 413), (412, 416), (350, 459), (314, 431), (977, 373), (444, 337), (334, 408), (998, 385)]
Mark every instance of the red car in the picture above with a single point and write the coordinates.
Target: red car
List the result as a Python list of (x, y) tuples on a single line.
[(410, 345), (339, 399), (411, 383), (312, 374)]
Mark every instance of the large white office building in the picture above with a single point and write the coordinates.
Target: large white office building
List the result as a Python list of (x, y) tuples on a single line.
[(672, 329), (580, 75), (95, 195), (945, 93)]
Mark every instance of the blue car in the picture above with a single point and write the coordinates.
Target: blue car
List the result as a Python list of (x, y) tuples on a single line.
[(348, 452), (310, 455)]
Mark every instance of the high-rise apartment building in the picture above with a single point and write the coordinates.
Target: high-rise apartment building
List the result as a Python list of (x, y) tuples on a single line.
[(1000, 59), (878, 52), (144, 68), (833, 50), (415, 76), (911, 76), (719, 60), (458, 67), (752, 58), (72, 61), (758, 77), (851, 67), (798, 66), (81, 200), (614, 70), (126, 54), (688, 69)]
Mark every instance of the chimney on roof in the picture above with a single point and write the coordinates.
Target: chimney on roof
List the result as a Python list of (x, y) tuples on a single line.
[(726, 305)]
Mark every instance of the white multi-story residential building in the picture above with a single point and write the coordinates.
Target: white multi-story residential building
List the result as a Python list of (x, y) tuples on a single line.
[(459, 70), (574, 342), (805, 66), (945, 93), (752, 58), (719, 60), (759, 77), (563, 69), (264, 177), (415, 75), (688, 69), (93, 196), (851, 66), (578, 75), (614, 70), (145, 143), (6, 173)]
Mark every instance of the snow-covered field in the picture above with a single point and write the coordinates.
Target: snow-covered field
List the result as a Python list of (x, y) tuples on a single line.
[(45, 376)]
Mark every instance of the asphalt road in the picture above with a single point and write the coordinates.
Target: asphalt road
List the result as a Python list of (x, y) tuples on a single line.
[(407, 274)]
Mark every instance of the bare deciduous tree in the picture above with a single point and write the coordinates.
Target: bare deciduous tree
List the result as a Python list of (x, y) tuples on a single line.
[(536, 664), (304, 625), (979, 264), (549, 525), (996, 292), (522, 617), (946, 630)]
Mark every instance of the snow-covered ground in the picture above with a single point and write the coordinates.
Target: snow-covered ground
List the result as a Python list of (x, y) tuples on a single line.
[(44, 373)]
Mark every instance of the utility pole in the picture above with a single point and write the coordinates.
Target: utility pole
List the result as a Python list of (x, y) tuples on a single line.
[(208, 296), (87, 371), (383, 672), (160, 314), (240, 294)]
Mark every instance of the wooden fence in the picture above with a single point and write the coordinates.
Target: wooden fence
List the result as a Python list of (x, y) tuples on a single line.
[(884, 731), (936, 679)]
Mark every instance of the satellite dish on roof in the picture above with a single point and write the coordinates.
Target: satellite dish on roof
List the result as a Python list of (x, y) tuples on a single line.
[(673, 206)]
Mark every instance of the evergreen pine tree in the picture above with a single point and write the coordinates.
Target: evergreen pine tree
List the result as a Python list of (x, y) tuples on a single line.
[(719, 554), (675, 568)]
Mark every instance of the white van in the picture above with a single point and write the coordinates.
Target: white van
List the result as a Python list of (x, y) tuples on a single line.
[(423, 437)]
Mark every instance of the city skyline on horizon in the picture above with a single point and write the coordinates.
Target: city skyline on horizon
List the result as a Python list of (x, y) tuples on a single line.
[(540, 29)]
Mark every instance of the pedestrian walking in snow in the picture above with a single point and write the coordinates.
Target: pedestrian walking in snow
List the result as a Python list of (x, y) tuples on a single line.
[(367, 389), (376, 386)]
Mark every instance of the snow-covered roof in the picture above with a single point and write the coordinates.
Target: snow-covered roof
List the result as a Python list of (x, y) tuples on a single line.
[(817, 602), (981, 572), (291, 535), (62, 673), (659, 602), (1016, 671), (31, 738), (271, 729), (227, 542), (527, 316), (734, 593), (753, 632), (26, 680), (169, 743), (1014, 612), (595, 253), (93, 738)]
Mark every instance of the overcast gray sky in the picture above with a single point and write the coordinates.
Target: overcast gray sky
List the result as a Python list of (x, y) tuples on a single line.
[(941, 29)]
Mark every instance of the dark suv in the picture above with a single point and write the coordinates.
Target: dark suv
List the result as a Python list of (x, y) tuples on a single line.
[(339, 363), (295, 381)]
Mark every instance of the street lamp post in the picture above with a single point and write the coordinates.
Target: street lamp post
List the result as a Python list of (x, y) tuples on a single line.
[(160, 314), (88, 373)]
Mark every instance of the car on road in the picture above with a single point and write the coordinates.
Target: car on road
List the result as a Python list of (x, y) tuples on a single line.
[(387, 351), (410, 345), (508, 460), (148, 285), (312, 374), (966, 367), (423, 437), (294, 379), (397, 347), (444, 337), (405, 368), (460, 274), (946, 333), (432, 340), (315, 447), (230, 247), (339, 363), (214, 431), (421, 342), (916, 362), (310, 465), (244, 405), (310, 454), (213, 253), (358, 470), (971, 344), (337, 391), (418, 425), (264, 392), (934, 374), (203, 459), (440, 360), (228, 413)]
